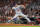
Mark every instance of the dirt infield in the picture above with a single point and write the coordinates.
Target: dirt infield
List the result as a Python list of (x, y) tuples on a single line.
[(8, 24)]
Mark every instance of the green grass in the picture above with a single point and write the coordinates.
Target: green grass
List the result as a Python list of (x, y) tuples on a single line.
[(19, 26)]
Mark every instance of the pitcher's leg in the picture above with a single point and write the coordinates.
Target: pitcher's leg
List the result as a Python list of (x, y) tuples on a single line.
[(14, 17), (25, 17)]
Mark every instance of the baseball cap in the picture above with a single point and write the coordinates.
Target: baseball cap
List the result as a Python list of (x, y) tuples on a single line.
[(15, 4)]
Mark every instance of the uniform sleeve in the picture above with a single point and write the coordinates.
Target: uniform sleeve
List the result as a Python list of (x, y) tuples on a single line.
[(19, 6)]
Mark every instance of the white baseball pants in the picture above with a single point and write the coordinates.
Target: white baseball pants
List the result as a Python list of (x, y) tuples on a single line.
[(20, 14)]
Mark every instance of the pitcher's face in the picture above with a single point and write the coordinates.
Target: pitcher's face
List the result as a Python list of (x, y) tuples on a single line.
[(16, 5)]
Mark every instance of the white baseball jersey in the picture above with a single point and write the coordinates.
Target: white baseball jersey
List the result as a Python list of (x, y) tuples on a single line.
[(17, 9), (18, 13)]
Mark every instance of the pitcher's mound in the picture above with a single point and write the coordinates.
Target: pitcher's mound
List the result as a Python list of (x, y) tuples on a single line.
[(8, 24)]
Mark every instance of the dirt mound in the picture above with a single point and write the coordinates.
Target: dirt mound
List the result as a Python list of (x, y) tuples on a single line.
[(8, 24)]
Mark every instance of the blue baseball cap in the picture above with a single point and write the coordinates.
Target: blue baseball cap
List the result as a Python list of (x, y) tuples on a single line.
[(15, 4)]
